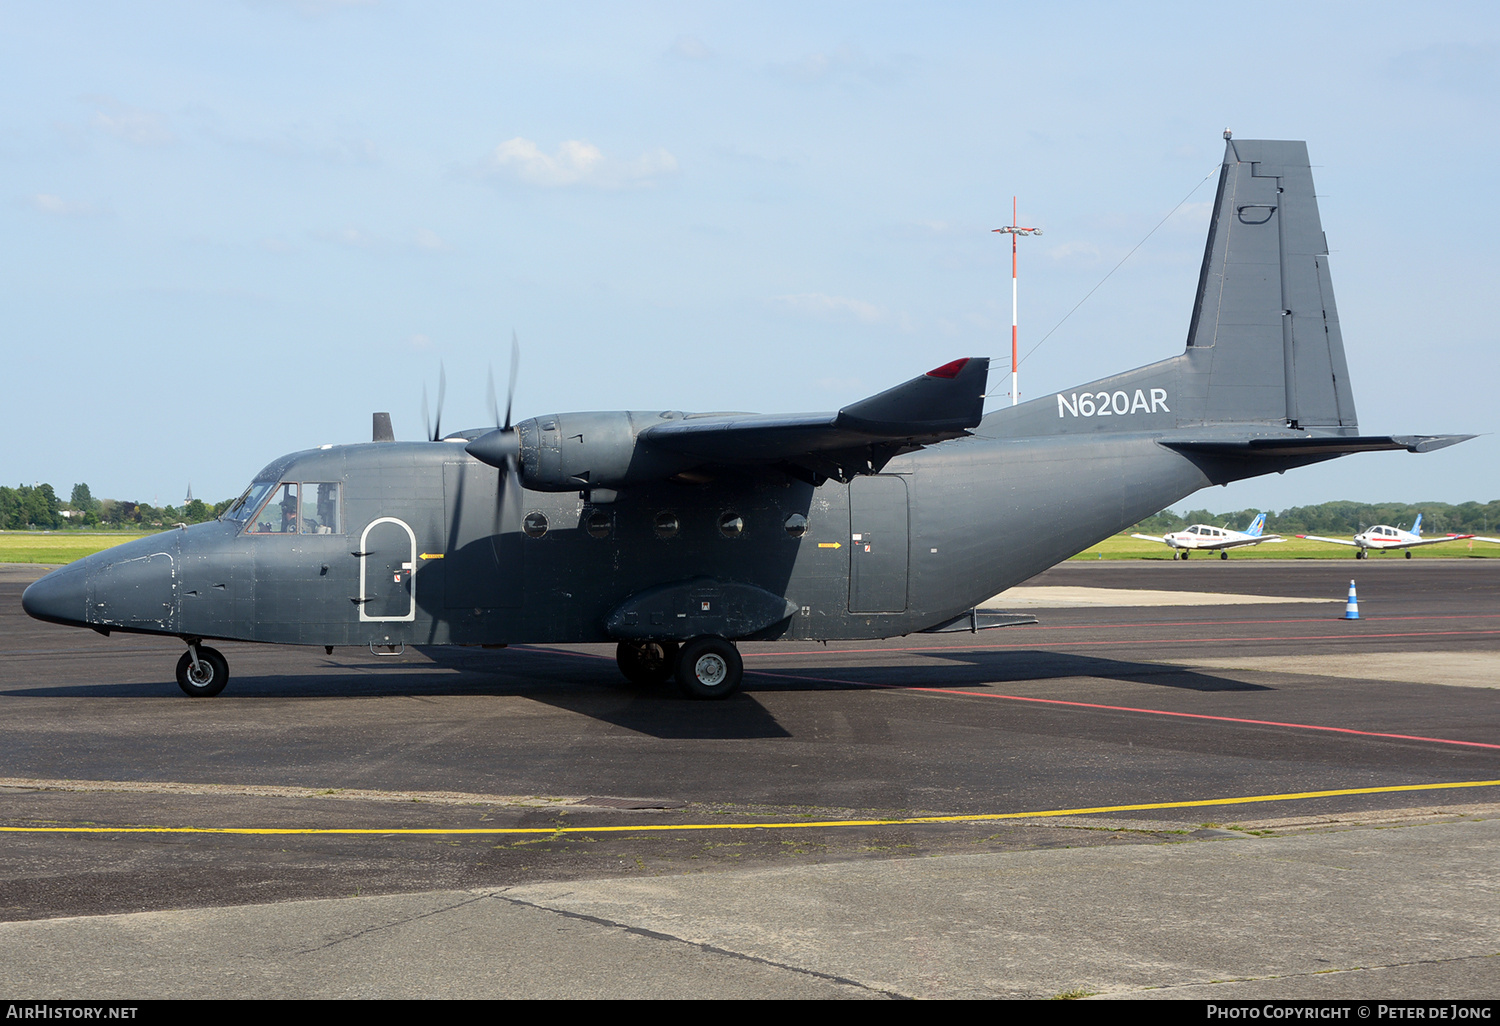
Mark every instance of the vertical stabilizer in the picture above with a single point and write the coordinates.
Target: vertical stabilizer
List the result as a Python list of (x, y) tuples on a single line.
[(1264, 322)]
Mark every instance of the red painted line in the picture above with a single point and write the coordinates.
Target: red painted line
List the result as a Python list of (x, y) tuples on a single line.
[(1132, 709)]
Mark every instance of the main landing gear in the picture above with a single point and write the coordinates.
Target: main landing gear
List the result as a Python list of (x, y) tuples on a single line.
[(202, 672), (706, 667), (647, 662)]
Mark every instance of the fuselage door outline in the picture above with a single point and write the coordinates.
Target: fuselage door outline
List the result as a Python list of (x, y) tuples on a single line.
[(409, 569)]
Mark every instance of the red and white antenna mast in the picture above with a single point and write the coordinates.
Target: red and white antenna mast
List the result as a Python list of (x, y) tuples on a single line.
[(1014, 230)]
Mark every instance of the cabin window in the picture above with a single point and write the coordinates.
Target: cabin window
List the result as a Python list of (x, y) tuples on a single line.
[(599, 523), (279, 514), (731, 524), (666, 524), (535, 524), (320, 508), (796, 525)]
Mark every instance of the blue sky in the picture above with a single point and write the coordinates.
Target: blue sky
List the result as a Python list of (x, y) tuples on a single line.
[(235, 230)]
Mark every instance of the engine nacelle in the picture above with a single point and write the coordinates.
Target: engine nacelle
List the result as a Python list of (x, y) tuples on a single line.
[(569, 452)]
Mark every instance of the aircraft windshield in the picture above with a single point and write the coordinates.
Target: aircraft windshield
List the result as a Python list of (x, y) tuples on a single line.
[(247, 503)]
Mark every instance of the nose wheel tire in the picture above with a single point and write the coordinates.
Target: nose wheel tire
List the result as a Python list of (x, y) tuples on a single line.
[(646, 662), (207, 678), (709, 668)]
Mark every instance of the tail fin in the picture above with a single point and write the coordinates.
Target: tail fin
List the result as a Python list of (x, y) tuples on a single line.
[(1256, 526), (1264, 325), (1416, 527)]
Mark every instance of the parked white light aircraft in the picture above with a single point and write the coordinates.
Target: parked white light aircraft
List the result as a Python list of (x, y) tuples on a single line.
[(1222, 539), (1382, 537)]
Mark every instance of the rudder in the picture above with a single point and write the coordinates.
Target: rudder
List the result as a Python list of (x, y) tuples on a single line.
[(1264, 322)]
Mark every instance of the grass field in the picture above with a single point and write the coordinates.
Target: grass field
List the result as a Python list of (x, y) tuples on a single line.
[(66, 546), (1122, 546), (58, 546)]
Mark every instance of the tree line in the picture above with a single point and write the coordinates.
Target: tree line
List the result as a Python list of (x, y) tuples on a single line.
[(1336, 518), (37, 507)]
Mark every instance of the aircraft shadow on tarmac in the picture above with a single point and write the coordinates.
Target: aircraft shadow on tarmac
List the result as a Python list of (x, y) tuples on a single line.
[(968, 669), (591, 686)]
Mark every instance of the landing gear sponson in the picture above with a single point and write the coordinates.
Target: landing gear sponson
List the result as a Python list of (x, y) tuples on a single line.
[(705, 667)]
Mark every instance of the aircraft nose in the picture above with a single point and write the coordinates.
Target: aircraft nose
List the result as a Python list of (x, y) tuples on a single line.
[(60, 597)]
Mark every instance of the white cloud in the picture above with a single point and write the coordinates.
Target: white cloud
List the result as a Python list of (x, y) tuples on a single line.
[(50, 204), (819, 305), (576, 163), (134, 125), (692, 48), (1075, 252), (842, 62), (355, 238), (426, 238), (419, 342)]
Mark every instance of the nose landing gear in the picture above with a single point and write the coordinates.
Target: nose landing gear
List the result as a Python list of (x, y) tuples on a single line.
[(202, 672)]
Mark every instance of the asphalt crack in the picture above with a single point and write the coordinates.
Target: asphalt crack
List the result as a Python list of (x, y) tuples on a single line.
[(367, 931), (712, 949)]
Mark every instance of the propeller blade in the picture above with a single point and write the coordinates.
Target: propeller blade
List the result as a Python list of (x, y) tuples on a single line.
[(515, 363), (494, 404), (437, 426)]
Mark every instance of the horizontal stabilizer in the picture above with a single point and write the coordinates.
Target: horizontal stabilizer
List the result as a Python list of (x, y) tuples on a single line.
[(1313, 446)]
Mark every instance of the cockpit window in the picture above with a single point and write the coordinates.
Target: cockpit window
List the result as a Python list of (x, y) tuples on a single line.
[(249, 502), (279, 514), (320, 508), (292, 507)]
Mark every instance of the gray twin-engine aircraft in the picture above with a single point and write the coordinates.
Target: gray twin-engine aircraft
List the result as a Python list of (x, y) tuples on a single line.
[(676, 535)]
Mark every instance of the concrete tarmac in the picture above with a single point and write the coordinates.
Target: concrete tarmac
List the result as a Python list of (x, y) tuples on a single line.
[(790, 864)]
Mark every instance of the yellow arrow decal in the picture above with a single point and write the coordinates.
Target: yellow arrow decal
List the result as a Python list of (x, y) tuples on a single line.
[(829, 545), (431, 555)]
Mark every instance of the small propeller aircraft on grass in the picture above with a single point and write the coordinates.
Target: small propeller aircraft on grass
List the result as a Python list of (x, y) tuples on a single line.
[(1381, 537), (1220, 539), (675, 535)]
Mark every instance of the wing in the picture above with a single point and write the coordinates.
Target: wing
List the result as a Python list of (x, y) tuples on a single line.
[(861, 438), (1336, 541), (1430, 541), (1149, 537)]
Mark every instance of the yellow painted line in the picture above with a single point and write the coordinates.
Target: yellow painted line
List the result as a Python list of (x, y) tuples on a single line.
[(668, 827), (830, 545), (431, 555)]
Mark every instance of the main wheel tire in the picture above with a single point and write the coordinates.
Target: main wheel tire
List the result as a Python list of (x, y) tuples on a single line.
[(1408, 553), (1224, 554), (1185, 553), (709, 667), (210, 676), (646, 662)]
